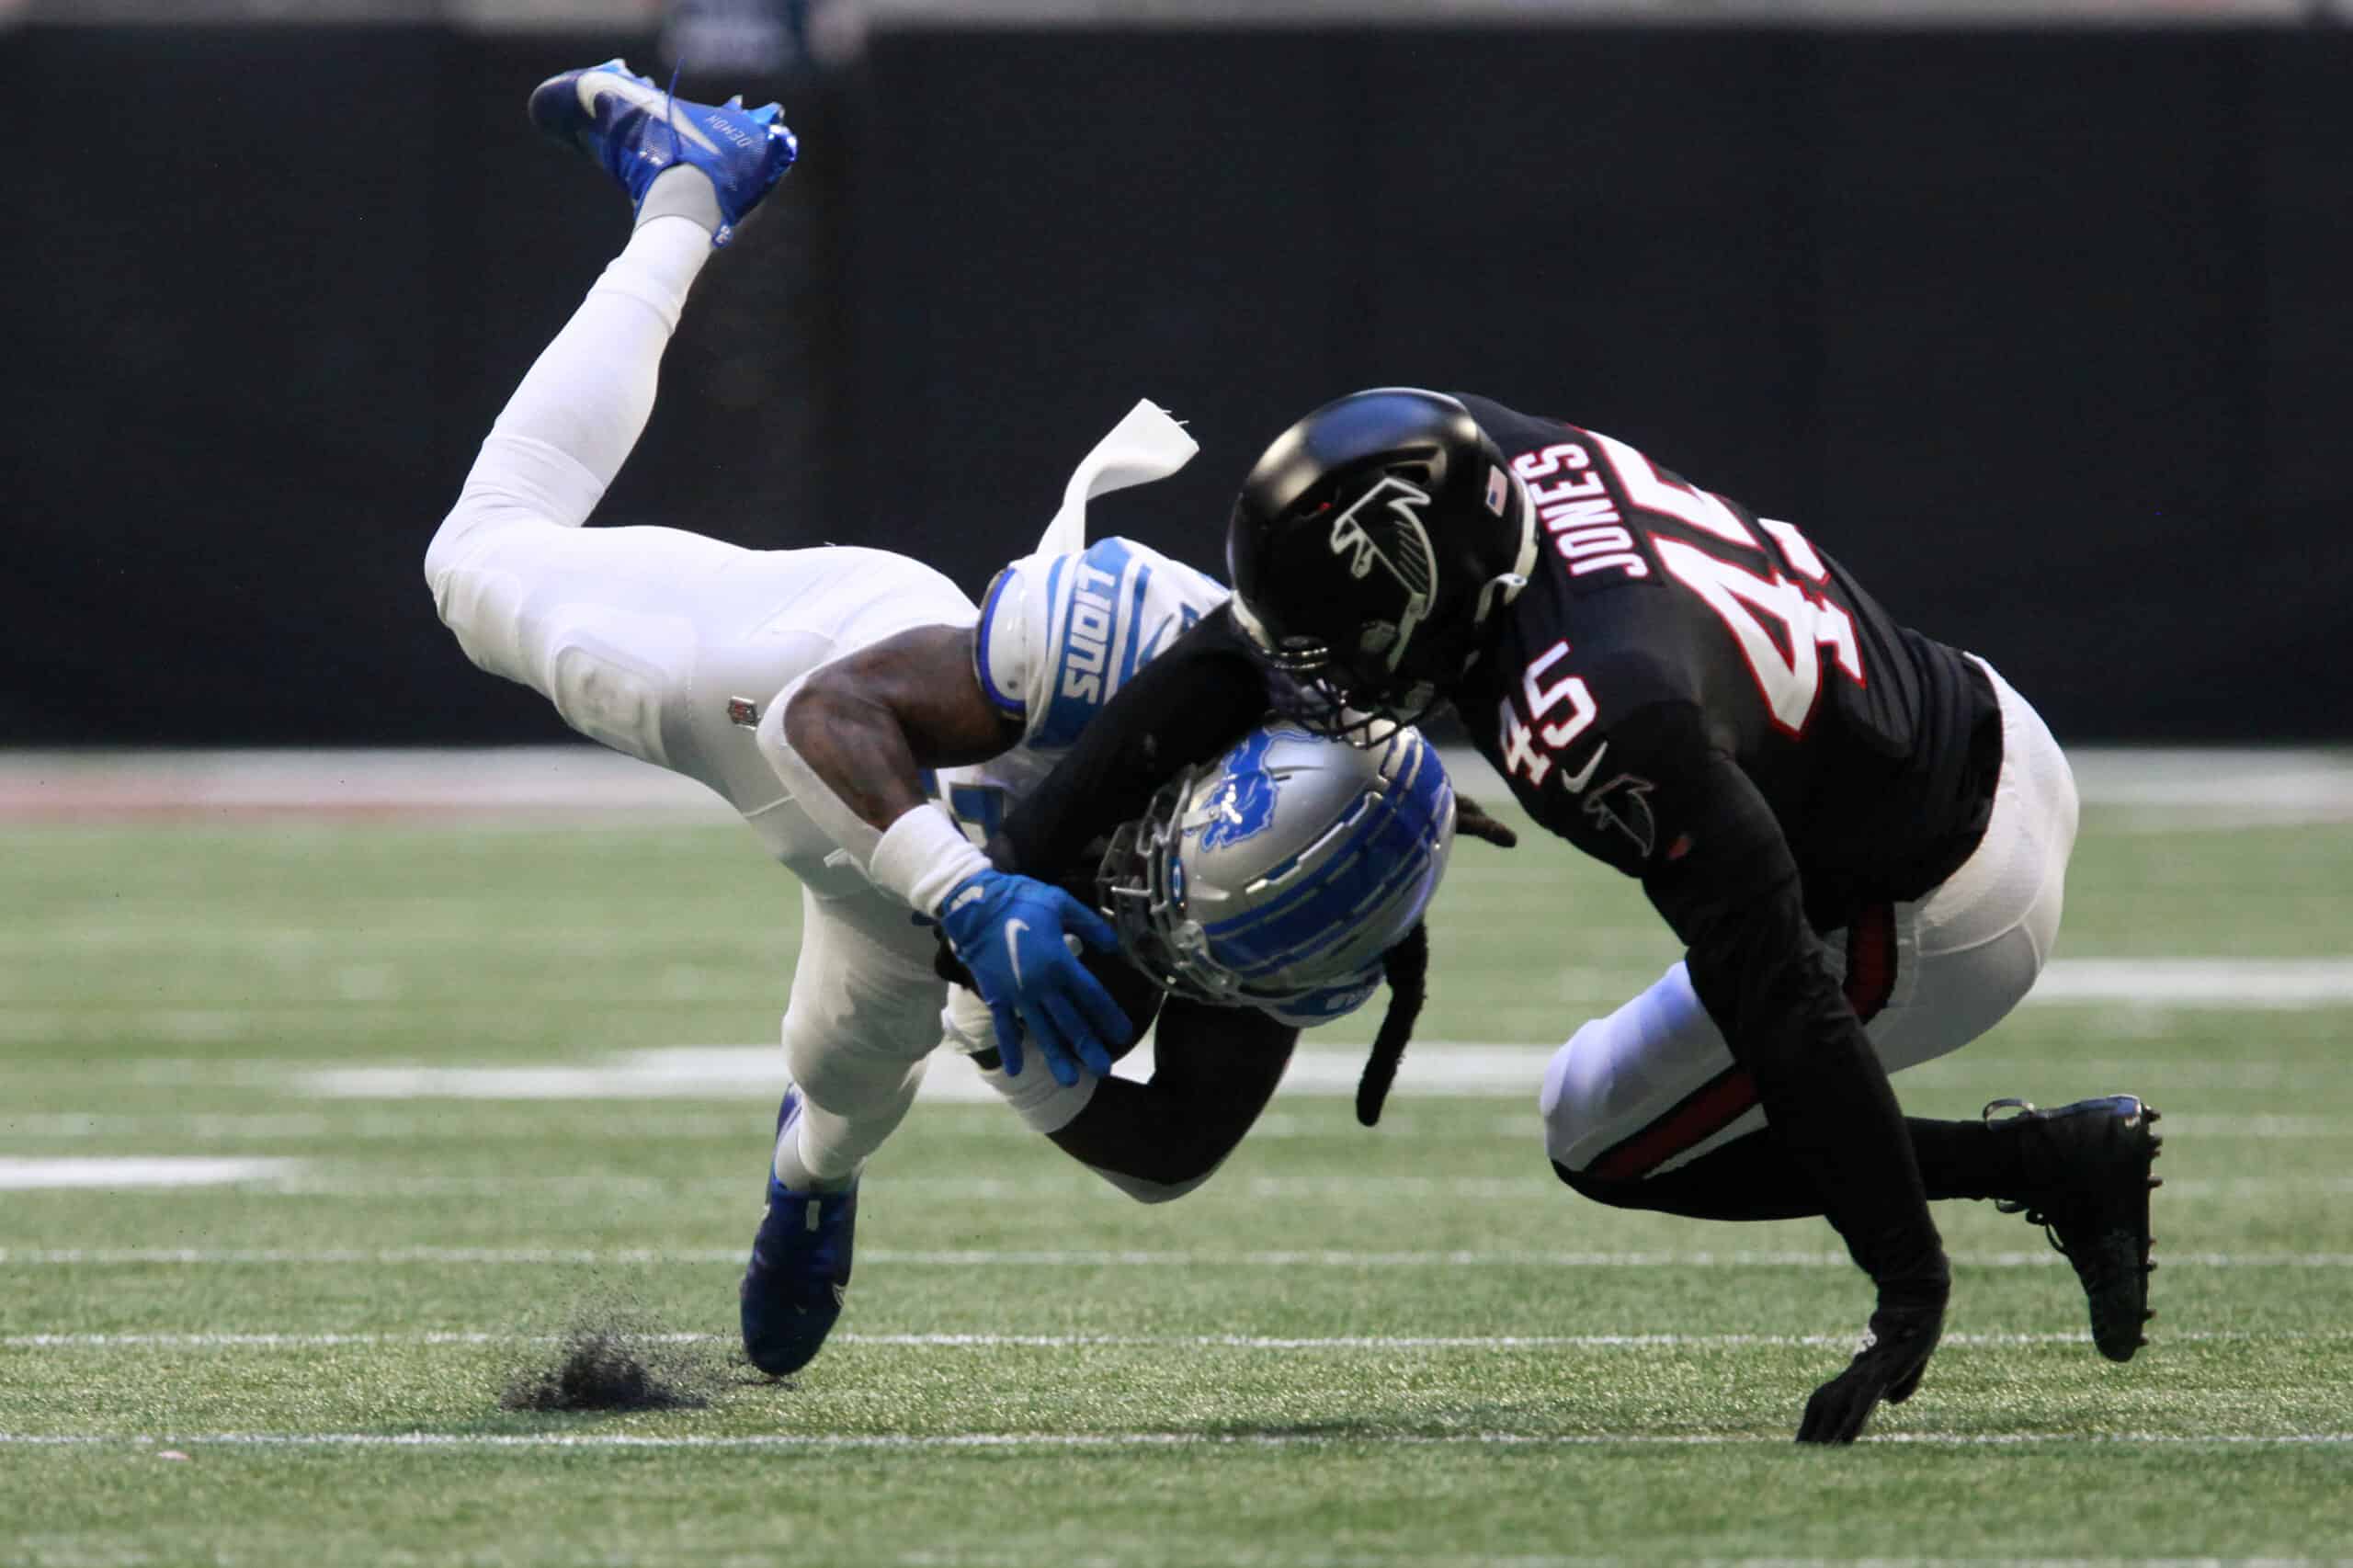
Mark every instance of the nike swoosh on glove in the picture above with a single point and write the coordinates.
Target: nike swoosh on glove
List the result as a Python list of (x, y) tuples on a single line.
[(1009, 930), (1903, 1336)]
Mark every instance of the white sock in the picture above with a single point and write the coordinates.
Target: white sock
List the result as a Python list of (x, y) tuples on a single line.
[(824, 1150), (792, 1173)]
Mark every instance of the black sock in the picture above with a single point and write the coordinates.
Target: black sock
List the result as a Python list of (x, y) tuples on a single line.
[(1967, 1159), (1751, 1178)]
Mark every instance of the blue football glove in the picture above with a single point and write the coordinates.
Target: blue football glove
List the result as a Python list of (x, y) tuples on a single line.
[(1008, 931)]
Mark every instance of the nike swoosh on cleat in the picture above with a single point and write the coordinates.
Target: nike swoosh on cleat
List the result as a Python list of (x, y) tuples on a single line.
[(1013, 930), (652, 99)]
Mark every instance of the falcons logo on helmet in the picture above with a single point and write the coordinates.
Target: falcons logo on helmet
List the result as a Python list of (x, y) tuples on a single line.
[(1384, 529)]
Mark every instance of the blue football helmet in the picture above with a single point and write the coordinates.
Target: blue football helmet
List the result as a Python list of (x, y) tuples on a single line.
[(1276, 876)]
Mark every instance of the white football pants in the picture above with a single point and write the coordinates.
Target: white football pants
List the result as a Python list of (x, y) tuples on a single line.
[(1648, 1087), (671, 647)]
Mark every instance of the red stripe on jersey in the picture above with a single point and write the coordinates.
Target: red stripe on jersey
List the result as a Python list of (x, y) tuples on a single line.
[(1704, 1112), (1716, 1103), (1871, 960)]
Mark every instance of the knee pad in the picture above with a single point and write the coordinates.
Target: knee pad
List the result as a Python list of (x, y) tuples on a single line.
[(838, 1075)]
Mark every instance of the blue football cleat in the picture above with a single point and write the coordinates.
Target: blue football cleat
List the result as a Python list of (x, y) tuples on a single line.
[(793, 1287), (636, 130)]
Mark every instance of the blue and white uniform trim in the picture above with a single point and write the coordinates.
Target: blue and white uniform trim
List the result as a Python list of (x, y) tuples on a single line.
[(1060, 634), (1383, 856), (1005, 701)]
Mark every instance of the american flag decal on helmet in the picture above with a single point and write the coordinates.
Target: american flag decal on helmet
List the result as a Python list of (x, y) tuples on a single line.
[(1498, 488)]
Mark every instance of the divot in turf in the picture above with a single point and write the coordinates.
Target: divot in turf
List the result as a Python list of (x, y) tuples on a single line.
[(615, 1362)]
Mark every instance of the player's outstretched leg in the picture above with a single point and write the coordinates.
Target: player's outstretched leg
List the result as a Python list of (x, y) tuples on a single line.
[(2086, 1183), (793, 1288), (637, 133), (2081, 1171), (586, 616)]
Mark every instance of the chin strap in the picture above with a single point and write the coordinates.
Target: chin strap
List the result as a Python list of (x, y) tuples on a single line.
[(1407, 966), (1504, 586)]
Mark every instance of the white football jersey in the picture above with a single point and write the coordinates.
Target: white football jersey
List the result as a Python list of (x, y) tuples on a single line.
[(1059, 635)]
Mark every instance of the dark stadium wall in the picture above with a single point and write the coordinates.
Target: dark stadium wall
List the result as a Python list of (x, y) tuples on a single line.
[(2046, 335)]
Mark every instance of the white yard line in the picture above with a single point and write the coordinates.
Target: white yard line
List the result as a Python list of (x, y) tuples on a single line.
[(264, 1341), (2269, 984), (105, 1173), (593, 1187), (1433, 1069), (2241, 785), (531, 1256), (1128, 1439)]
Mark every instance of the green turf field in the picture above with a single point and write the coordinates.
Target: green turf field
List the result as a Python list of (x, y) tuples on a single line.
[(1408, 1345)]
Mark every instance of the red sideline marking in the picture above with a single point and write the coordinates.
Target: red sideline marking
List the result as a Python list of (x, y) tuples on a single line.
[(161, 807)]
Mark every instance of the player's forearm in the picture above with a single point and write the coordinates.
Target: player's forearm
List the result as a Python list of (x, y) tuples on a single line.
[(1824, 1092), (1217, 1068), (859, 749), (1185, 706), (851, 737), (851, 766), (1736, 898)]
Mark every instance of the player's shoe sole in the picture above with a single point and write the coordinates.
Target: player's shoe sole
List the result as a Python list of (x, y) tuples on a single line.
[(634, 130), (2088, 1167), (799, 1274)]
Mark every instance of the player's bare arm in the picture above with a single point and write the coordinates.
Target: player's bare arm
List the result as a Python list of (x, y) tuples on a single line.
[(852, 736), (869, 722)]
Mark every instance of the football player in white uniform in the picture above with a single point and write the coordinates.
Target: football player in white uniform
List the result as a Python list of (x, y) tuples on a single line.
[(830, 694)]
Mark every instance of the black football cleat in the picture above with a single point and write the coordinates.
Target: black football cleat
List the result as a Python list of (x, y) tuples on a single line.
[(2087, 1186)]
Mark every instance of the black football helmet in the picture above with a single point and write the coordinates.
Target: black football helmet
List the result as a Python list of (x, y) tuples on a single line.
[(1369, 551)]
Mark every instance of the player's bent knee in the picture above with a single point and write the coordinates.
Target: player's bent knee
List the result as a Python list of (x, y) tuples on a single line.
[(839, 1077), (1565, 1102), (466, 524)]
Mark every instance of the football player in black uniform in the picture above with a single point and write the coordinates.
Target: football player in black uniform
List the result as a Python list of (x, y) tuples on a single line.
[(1858, 833)]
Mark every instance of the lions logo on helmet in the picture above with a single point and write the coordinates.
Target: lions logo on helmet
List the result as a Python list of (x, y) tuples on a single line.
[(1243, 801), (1279, 875)]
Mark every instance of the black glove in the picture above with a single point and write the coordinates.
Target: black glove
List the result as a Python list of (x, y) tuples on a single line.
[(1901, 1337), (1471, 818)]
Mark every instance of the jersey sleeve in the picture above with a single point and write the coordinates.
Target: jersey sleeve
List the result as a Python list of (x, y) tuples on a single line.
[(1060, 635), (1575, 744), (1009, 648)]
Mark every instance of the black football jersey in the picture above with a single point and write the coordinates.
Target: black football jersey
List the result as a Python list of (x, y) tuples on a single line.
[(1703, 698), (1658, 609)]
